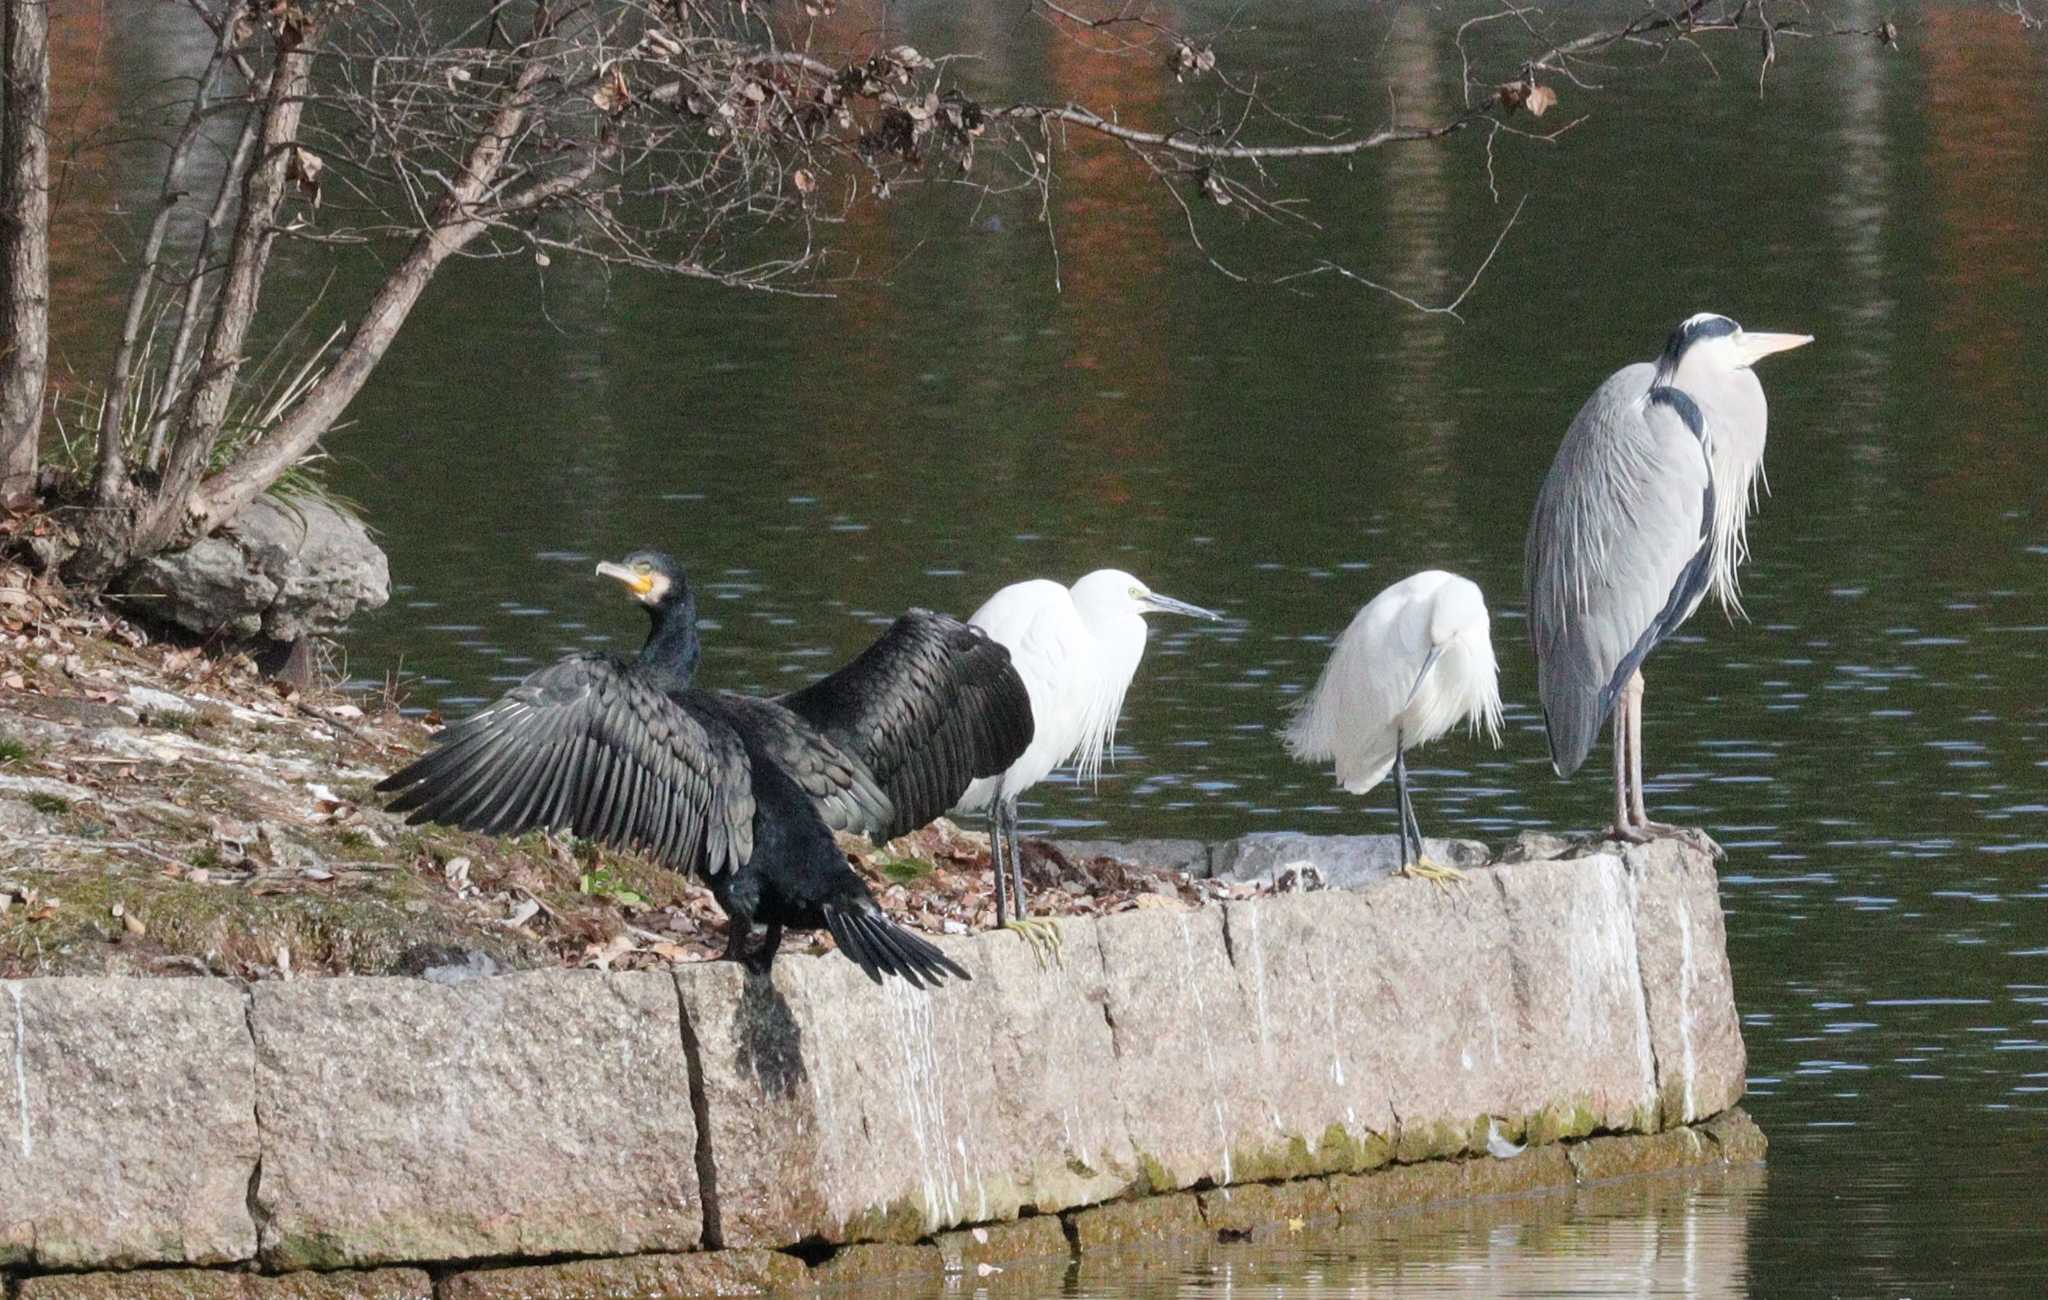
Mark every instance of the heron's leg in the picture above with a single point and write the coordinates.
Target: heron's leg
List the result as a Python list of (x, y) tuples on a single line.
[(1639, 816), (1419, 865), (995, 855), (1624, 827), (1042, 933)]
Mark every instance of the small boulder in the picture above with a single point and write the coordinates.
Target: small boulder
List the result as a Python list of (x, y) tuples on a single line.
[(281, 570), (1343, 861)]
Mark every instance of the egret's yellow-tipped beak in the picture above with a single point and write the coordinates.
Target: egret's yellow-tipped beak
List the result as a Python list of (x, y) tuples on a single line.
[(640, 584), (1755, 347)]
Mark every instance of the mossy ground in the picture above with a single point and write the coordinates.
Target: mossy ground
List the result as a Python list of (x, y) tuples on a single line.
[(166, 811)]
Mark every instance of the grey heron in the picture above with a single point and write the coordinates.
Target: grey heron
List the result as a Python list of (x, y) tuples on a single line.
[(1415, 662), (1644, 512), (1077, 649), (740, 791)]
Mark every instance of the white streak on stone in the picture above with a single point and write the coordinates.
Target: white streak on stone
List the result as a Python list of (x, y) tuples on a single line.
[(924, 1101), (1194, 986), (1688, 976), (28, 1139)]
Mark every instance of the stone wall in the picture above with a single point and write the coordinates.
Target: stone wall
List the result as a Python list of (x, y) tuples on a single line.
[(1225, 1055)]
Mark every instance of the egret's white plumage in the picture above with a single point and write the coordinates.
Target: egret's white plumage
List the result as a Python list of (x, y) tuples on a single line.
[(1415, 662), (1077, 649)]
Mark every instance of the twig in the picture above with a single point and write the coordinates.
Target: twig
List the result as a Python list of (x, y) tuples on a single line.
[(1448, 309)]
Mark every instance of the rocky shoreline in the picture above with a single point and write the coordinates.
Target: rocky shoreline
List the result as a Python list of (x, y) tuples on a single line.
[(515, 1075)]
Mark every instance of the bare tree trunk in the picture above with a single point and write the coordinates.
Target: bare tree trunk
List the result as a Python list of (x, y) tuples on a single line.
[(112, 478), (220, 361), (24, 240), (176, 366)]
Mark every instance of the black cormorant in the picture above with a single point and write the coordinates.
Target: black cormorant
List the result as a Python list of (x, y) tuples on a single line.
[(742, 791)]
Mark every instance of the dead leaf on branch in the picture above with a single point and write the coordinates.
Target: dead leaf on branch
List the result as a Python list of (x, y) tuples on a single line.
[(1187, 61), (304, 170), (1525, 94), (612, 96)]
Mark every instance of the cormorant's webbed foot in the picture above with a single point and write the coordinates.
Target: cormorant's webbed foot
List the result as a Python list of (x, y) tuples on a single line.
[(1043, 934)]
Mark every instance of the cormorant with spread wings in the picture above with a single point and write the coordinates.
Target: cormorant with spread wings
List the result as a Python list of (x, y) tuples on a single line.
[(741, 791)]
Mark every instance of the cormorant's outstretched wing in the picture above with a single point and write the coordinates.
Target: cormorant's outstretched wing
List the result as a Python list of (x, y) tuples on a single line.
[(587, 745), (929, 707), (1619, 551), (838, 785)]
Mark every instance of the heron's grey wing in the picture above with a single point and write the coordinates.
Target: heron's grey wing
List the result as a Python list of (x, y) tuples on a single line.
[(587, 745), (1618, 552), (929, 707), (839, 786)]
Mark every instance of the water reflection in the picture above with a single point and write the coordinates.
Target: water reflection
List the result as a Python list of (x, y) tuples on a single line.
[(1678, 1236)]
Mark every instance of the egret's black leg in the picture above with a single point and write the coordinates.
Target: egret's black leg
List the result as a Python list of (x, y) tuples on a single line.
[(995, 857), (1019, 900), (1411, 829), (1409, 851), (1042, 935), (1419, 865)]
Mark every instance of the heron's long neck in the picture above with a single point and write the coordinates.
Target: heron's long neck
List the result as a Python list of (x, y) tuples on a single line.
[(672, 647)]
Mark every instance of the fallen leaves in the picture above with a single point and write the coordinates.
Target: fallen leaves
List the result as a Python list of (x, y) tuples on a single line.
[(35, 905)]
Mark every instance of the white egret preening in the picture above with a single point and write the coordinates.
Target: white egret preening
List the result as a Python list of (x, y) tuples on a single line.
[(1077, 649), (1415, 662), (1643, 513)]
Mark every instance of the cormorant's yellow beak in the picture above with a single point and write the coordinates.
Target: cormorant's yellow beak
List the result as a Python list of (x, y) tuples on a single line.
[(637, 583)]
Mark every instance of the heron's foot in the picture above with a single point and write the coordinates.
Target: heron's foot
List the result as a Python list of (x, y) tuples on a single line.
[(1647, 830), (1043, 934), (1692, 835), (1441, 876), (1627, 834)]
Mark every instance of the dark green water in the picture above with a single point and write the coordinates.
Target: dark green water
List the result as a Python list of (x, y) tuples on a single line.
[(1872, 748)]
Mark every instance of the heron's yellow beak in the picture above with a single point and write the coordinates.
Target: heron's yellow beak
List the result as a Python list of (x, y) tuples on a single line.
[(1755, 347), (638, 583)]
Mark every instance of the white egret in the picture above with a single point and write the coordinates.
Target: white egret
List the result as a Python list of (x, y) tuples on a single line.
[(1415, 662), (1643, 512), (1077, 649)]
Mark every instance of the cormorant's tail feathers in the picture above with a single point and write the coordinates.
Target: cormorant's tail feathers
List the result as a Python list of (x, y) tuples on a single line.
[(880, 947)]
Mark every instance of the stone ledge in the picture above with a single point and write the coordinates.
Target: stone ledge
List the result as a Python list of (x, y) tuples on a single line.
[(645, 1277), (200, 1284), (1268, 1039), (1258, 1211)]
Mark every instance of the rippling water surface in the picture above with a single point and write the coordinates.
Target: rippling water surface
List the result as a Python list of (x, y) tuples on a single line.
[(1872, 747)]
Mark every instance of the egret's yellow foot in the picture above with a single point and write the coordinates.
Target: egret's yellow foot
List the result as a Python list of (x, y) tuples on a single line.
[(1441, 877), (1043, 934)]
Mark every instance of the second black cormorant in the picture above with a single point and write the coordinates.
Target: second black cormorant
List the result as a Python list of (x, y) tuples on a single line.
[(741, 791)]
